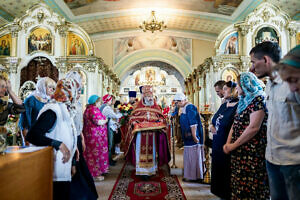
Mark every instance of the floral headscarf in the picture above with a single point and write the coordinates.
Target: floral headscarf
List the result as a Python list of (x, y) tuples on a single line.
[(41, 88), (66, 92), (252, 87), (75, 76)]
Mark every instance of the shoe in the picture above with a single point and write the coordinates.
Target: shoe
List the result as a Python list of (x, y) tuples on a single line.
[(99, 178)]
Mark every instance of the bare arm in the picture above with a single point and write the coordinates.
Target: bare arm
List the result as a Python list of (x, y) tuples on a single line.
[(12, 95), (256, 119), (229, 135)]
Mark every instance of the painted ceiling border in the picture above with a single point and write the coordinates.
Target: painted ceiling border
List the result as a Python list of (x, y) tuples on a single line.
[(153, 54), (169, 32), (249, 5)]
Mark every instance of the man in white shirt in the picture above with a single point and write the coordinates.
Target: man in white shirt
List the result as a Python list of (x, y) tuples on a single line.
[(283, 133)]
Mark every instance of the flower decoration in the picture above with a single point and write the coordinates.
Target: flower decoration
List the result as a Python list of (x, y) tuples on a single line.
[(126, 110)]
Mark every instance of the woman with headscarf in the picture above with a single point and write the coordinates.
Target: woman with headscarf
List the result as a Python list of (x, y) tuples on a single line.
[(82, 184), (247, 141), (221, 124), (35, 102), (95, 135), (192, 136), (112, 118), (55, 127)]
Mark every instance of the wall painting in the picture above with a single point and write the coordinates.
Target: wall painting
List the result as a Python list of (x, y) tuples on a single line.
[(76, 45), (230, 44), (5, 42), (229, 75), (40, 39), (125, 46), (266, 34)]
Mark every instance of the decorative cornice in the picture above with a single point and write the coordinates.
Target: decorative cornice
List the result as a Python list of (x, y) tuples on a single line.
[(10, 63)]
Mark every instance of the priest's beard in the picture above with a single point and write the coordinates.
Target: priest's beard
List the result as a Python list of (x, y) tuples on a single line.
[(148, 102)]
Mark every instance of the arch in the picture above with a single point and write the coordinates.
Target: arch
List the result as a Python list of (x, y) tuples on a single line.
[(150, 55)]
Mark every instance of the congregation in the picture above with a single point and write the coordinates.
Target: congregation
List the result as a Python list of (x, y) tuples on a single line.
[(256, 131)]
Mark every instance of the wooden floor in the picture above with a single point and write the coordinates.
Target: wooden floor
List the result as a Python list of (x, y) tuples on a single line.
[(193, 191)]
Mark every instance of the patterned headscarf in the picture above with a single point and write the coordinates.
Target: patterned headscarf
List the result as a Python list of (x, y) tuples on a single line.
[(75, 76), (41, 88), (66, 92), (106, 98), (252, 87)]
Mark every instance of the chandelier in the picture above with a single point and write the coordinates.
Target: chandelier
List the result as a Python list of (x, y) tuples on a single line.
[(152, 24)]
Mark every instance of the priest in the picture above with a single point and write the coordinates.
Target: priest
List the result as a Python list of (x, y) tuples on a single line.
[(146, 143)]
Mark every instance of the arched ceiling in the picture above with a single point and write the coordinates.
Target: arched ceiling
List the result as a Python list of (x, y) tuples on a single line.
[(208, 17)]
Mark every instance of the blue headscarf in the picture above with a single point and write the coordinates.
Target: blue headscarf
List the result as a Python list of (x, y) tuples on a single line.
[(252, 87), (93, 99)]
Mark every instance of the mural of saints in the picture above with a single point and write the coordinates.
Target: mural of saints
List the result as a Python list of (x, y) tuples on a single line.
[(40, 39), (5, 42), (76, 45)]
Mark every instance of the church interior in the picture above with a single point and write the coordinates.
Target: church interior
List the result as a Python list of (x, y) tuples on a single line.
[(117, 46)]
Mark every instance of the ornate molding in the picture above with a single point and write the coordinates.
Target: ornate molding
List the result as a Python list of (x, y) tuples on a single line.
[(293, 28), (243, 28), (14, 28), (10, 64)]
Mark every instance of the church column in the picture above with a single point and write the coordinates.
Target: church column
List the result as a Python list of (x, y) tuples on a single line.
[(293, 34), (13, 75), (196, 93), (91, 77), (100, 82), (243, 31)]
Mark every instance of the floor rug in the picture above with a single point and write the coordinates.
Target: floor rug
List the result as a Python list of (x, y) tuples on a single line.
[(161, 186)]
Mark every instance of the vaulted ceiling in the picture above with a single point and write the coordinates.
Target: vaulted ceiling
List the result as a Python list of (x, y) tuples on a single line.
[(100, 17)]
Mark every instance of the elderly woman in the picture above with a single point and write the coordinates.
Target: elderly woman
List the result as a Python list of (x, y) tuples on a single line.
[(192, 135), (35, 102), (247, 141), (55, 127), (82, 185), (95, 135), (221, 124), (112, 118)]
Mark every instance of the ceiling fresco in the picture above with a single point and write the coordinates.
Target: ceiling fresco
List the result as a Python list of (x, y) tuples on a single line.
[(80, 7), (108, 16)]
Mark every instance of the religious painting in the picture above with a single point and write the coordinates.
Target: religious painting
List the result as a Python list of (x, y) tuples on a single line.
[(150, 75), (163, 79), (266, 34), (81, 7), (40, 39), (137, 79), (229, 75), (298, 38), (125, 46), (5, 42), (77, 3), (230, 44), (76, 45)]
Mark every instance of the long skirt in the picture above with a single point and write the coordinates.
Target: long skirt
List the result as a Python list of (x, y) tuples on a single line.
[(193, 162), (82, 185)]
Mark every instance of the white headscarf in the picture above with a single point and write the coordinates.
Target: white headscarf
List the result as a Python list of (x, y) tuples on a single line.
[(41, 89), (75, 76)]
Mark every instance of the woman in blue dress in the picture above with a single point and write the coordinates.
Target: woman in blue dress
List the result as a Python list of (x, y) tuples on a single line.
[(192, 135), (35, 102), (221, 124)]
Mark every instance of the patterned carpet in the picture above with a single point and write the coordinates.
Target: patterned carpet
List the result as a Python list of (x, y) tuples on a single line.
[(160, 186)]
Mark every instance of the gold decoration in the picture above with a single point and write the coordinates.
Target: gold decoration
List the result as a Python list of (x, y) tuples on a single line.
[(153, 24)]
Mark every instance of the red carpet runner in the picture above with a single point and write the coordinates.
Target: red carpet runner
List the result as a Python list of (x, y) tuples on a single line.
[(159, 187)]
